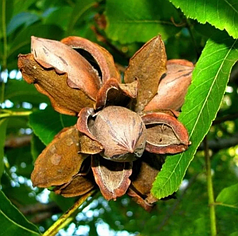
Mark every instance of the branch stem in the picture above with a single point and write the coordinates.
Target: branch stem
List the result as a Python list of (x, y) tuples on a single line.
[(67, 217), (4, 58), (9, 113), (210, 192)]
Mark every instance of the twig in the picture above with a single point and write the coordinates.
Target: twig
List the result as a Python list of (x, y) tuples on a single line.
[(221, 143), (225, 118), (39, 207), (189, 27), (10, 113), (20, 141), (39, 212), (210, 189), (66, 218)]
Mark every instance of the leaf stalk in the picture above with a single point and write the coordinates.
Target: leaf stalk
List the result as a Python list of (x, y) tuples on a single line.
[(67, 217)]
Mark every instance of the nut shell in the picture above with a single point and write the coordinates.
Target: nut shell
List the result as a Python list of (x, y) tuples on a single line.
[(121, 132)]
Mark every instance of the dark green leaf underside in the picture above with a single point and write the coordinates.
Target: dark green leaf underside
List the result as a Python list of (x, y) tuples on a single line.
[(221, 14), (12, 222)]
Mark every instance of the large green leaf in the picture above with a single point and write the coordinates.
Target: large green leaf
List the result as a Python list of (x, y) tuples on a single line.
[(79, 9), (221, 14), (229, 196), (47, 123), (3, 128), (140, 20), (12, 222), (61, 21), (203, 100), (23, 38)]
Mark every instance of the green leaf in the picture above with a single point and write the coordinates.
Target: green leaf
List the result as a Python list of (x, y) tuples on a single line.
[(79, 9), (140, 20), (36, 147), (19, 91), (23, 18), (234, 234), (3, 128), (221, 14), (202, 102), (12, 222), (47, 123), (61, 21), (22, 6), (22, 194), (23, 38), (229, 196)]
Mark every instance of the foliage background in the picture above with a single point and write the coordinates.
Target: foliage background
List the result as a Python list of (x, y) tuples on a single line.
[(203, 32)]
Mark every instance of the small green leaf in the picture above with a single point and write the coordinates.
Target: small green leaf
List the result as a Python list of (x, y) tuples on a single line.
[(36, 147), (229, 196), (18, 91), (202, 102), (3, 128), (12, 222), (47, 123), (221, 14), (20, 6), (140, 20)]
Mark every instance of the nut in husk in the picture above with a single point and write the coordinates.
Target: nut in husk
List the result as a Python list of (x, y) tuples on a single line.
[(113, 143), (120, 131)]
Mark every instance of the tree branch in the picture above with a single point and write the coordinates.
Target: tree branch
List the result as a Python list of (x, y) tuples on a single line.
[(20, 141), (225, 118), (39, 212), (222, 143)]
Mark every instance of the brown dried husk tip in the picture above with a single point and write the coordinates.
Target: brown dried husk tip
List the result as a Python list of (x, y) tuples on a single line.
[(64, 59), (64, 99), (147, 67), (173, 87), (111, 177)]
